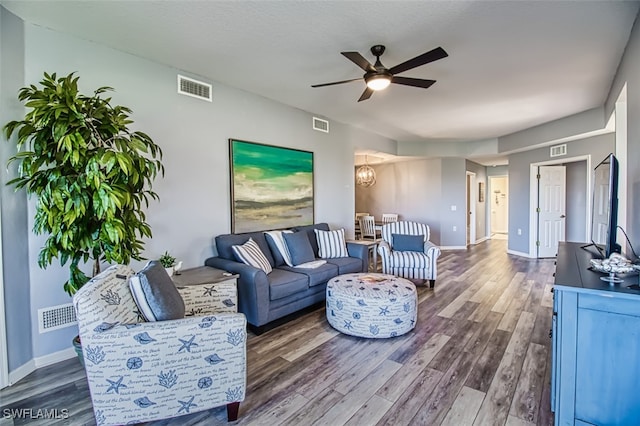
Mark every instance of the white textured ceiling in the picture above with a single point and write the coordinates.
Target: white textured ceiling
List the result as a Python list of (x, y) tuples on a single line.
[(512, 64)]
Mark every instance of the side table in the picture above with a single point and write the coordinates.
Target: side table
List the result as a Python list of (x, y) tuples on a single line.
[(207, 290), (373, 249)]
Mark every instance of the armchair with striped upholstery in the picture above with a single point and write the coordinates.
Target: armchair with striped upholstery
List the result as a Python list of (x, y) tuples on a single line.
[(409, 264)]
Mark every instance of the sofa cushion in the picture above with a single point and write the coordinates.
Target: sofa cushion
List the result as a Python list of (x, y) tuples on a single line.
[(284, 283), (319, 275), (331, 244), (278, 248), (404, 242), (309, 229), (225, 242), (409, 259), (250, 254), (155, 294), (347, 265), (299, 248)]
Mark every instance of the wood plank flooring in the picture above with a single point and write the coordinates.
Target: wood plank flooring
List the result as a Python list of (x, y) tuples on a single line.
[(479, 355)]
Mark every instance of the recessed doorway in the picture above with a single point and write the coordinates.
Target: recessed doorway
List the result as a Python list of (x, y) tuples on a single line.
[(498, 199)]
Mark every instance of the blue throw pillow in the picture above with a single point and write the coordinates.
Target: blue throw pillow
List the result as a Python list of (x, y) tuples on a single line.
[(404, 242), (155, 294), (299, 247)]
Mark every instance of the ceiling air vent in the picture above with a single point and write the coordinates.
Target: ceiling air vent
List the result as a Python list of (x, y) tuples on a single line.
[(197, 89), (320, 125), (558, 150)]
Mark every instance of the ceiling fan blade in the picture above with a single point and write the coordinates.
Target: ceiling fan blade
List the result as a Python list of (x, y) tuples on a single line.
[(425, 58), (415, 82), (336, 82), (366, 94), (359, 60)]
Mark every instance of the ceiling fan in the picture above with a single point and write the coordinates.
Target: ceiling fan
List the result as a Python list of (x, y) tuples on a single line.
[(378, 77)]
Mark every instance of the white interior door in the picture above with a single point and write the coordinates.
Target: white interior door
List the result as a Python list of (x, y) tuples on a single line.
[(552, 188)]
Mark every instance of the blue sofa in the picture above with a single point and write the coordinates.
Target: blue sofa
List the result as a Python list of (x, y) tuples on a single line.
[(264, 298)]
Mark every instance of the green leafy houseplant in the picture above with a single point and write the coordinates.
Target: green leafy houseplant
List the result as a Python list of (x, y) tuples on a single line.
[(92, 175), (166, 260)]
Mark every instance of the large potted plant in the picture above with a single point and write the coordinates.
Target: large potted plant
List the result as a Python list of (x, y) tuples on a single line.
[(91, 174)]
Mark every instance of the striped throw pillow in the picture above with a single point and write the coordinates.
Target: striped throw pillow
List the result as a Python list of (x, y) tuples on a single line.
[(250, 254), (331, 244)]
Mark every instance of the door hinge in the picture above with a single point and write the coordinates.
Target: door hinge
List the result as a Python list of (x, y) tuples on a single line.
[(537, 209), (538, 243), (538, 176)]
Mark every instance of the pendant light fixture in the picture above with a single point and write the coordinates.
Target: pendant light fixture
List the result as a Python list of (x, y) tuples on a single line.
[(365, 175)]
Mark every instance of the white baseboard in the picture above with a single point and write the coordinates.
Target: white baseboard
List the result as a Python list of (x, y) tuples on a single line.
[(481, 240), (21, 372), (63, 355), (453, 247), (42, 361), (521, 254)]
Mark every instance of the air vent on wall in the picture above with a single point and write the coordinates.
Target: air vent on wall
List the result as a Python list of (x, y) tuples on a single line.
[(320, 125), (56, 317), (558, 150), (197, 89)]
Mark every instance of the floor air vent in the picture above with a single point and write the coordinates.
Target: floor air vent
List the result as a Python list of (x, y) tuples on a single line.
[(56, 317), (558, 150), (320, 125), (197, 89)]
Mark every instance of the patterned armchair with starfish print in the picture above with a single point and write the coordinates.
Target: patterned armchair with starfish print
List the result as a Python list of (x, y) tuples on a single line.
[(142, 371)]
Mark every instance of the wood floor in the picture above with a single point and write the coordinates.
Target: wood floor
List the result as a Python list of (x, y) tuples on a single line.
[(479, 355)]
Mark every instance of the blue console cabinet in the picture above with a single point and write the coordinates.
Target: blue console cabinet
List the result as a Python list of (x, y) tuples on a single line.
[(596, 344)]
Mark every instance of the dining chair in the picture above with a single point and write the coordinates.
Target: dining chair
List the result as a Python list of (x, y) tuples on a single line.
[(357, 227), (367, 228), (389, 217)]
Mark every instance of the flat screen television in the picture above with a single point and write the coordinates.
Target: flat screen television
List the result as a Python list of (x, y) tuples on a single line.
[(604, 217)]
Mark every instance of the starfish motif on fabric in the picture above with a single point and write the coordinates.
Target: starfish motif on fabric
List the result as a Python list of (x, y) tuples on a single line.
[(347, 325), (384, 310), (115, 386), (186, 344), (208, 291), (186, 405)]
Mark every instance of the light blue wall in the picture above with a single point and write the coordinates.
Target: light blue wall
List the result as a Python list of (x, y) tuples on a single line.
[(498, 171), (453, 194), (15, 254), (629, 73), (193, 134), (577, 200), (587, 121), (519, 182)]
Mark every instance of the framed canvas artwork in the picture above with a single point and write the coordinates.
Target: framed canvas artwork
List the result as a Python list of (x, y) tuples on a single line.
[(271, 187)]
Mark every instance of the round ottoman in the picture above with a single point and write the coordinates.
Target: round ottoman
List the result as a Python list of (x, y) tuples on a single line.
[(371, 305)]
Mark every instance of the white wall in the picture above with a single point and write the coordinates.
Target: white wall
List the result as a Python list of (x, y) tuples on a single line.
[(193, 134)]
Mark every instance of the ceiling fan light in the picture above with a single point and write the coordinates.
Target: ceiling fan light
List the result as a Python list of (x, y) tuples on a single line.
[(378, 82)]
